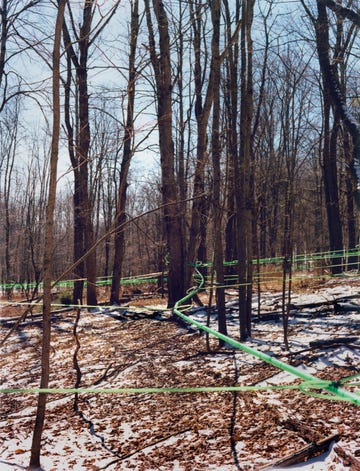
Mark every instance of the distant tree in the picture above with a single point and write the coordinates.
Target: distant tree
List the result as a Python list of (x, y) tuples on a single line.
[(9, 129), (34, 211), (79, 140), (13, 16)]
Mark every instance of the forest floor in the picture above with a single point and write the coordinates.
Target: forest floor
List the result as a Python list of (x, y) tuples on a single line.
[(142, 348)]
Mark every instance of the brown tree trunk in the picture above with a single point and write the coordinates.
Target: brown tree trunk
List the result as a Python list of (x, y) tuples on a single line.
[(232, 104), (172, 211), (329, 163), (79, 152), (48, 248), (197, 231), (334, 96), (216, 154), (243, 169), (83, 152), (120, 216)]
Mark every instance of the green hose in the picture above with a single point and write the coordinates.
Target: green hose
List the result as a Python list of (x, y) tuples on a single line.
[(311, 382)]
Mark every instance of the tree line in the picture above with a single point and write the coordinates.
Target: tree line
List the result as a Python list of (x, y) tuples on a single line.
[(249, 116)]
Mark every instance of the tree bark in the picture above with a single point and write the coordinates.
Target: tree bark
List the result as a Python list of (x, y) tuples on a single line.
[(199, 210), (48, 248), (172, 210), (120, 216), (216, 154), (330, 141), (243, 169)]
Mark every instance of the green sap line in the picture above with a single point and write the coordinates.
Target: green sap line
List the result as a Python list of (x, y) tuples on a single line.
[(312, 382)]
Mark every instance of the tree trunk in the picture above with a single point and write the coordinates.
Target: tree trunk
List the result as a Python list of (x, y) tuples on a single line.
[(232, 104), (243, 169), (216, 154), (120, 217), (48, 247), (197, 231), (172, 209), (79, 154)]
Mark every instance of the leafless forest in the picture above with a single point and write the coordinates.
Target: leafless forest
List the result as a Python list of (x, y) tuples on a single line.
[(144, 137), (188, 131)]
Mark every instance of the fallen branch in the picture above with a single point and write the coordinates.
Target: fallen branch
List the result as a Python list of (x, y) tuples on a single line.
[(349, 459), (306, 453), (331, 342)]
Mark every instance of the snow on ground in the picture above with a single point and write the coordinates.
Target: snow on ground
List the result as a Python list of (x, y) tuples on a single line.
[(223, 431)]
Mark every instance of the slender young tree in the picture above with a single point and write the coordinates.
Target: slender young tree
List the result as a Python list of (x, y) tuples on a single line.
[(49, 243), (242, 173), (216, 155)]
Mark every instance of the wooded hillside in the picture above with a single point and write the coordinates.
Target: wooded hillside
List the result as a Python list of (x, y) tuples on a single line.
[(213, 142)]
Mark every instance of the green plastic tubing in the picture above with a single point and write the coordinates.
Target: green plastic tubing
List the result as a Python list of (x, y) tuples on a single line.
[(312, 382)]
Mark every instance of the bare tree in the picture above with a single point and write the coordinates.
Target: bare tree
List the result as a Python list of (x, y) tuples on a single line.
[(216, 153), (79, 142), (204, 93), (160, 60), (13, 15), (48, 248), (120, 216), (9, 128), (243, 169), (334, 99)]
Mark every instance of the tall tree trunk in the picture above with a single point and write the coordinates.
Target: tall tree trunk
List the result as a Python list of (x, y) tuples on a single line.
[(216, 154), (330, 178), (197, 231), (120, 216), (332, 88), (83, 152), (332, 194), (49, 243), (172, 211), (243, 167), (78, 236), (350, 206), (232, 102), (79, 153)]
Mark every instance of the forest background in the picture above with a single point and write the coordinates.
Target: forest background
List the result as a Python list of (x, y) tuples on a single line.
[(190, 131)]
